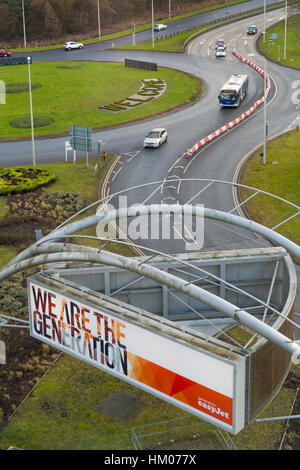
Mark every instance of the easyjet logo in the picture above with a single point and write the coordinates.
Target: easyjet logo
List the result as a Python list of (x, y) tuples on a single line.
[(212, 409)]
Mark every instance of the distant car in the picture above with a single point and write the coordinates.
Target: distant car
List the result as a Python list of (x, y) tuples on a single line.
[(159, 27), (220, 52), (252, 30), (220, 43), (73, 45), (156, 137), (4, 53)]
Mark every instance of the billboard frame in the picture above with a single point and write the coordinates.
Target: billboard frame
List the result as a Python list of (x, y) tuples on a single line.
[(239, 365)]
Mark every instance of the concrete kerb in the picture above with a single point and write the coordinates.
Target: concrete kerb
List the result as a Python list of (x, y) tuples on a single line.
[(244, 115)]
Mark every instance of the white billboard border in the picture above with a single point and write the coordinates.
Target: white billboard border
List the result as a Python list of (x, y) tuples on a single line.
[(239, 402)]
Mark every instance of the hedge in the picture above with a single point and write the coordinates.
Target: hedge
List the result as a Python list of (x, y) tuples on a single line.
[(18, 180)]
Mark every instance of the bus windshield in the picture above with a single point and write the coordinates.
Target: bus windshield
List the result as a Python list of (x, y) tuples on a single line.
[(227, 95)]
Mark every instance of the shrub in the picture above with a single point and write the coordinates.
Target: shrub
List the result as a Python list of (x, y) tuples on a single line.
[(25, 122), (19, 87), (19, 180)]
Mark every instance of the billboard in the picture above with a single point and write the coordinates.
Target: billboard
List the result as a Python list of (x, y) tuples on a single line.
[(136, 346)]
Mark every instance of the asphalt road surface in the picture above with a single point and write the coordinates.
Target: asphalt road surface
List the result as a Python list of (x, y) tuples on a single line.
[(217, 160)]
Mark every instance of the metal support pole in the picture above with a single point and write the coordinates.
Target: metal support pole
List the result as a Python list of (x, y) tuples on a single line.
[(285, 30), (133, 35), (152, 15), (264, 32), (31, 115), (265, 114), (99, 25), (24, 26)]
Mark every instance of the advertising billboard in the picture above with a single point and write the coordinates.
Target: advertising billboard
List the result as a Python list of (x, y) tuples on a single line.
[(138, 347)]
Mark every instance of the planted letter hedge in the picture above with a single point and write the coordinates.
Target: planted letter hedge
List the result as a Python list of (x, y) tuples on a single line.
[(18, 180)]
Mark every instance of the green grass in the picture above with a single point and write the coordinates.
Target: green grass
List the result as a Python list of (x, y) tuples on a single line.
[(61, 414), (276, 48), (71, 96), (281, 179), (168, 44), (6, 254)]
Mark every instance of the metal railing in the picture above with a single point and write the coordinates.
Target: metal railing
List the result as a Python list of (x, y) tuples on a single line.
[(164, 434)]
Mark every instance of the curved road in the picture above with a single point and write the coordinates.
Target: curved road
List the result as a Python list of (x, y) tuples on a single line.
[(186, 126)]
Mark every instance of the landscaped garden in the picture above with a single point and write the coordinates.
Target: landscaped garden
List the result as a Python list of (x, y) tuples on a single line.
[(76, 92)]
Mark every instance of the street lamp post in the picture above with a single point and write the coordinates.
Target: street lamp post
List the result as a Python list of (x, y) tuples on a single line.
[(265, 115), (99, 26), (169, 8), (31, 114), (285, 30), (24, 26), (152, 15), (264, 32)]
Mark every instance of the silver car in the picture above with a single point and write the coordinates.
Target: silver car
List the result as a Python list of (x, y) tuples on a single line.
[(156, 137)]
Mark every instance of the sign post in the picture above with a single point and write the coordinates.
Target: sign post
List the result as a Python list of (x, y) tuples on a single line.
[(133, 35), (81, 139)]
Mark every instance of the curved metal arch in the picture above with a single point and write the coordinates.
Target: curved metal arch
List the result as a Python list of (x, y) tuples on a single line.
[(173, 180), (247, 224), (131, 264)]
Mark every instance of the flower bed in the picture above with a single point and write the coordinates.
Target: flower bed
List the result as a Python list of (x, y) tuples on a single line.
[(19, 180)]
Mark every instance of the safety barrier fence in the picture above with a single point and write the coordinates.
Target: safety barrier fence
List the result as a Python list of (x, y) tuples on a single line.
[(222, 21), (239, 119)]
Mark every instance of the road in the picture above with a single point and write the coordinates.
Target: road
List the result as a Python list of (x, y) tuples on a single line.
[(218, 160)]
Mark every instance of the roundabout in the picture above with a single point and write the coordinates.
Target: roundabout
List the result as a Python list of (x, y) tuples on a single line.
[(216, 161)]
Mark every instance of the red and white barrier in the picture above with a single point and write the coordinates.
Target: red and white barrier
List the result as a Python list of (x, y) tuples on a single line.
[(243, 116)]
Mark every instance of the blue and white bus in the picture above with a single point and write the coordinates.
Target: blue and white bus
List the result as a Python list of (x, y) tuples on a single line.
[(233, 91)]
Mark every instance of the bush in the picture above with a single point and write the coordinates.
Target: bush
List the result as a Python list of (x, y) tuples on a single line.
[(19, 180), (19, 87), (25, 122)]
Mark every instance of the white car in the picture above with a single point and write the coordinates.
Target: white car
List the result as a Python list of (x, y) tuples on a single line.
[(156, 137), (220, 52), (159, 27), (73, 45)]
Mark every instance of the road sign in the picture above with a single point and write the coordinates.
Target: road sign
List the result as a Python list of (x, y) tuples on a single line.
[(81, 138), (14, 60), (274, 36), (270, 40)]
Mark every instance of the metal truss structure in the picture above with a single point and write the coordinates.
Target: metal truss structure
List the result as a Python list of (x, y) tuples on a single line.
[(54, 248)]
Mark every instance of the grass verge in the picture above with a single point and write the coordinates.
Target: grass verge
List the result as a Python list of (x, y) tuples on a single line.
[(280, 176), (108, 37), (173, 43), (62, 98), (275, 50), (61, 414)]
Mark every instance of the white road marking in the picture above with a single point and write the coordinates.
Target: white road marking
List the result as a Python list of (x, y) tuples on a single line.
[(116, 173)]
